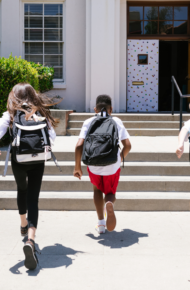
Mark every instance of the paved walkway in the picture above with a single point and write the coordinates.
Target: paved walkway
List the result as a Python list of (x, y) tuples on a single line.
[(147, 251)]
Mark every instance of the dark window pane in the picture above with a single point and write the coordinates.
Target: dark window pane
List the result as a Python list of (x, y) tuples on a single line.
[(26, 9), (53, 48), (53, 60), (34, 48), (135, 13), (58, 73), (31, 22), (180, 13), (166, 13), (53, 34), (53, 22), (34, 58), (135, 27), (150, 27), (53, 9), (33, 34), (165, 27), (180, 27), (143, 59), (33, 9), (151, 13)]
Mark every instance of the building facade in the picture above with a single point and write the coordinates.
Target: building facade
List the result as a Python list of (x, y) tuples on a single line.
[(127, 49)]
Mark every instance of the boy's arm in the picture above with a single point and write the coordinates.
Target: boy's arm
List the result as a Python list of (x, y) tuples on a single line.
[(78, 154), (126, 148), (182, 136)]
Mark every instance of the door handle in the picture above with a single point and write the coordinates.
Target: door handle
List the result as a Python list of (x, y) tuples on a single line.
[(137, 83)]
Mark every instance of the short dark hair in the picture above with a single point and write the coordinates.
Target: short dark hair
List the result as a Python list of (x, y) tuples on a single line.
[(103, 101)]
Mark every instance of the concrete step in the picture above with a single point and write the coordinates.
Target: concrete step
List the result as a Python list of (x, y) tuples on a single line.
[(126, 201), (130, 168), (137, 132), (133, 156), (137, 124), (132, 117), (126, 183)]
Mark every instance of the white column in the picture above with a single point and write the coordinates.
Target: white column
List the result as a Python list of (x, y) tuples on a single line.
[(123, 57), (102, 51), (10, 30)]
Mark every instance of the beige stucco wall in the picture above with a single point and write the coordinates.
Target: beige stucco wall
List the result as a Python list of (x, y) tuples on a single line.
[(158, 1), (11, 38), (90, 67)]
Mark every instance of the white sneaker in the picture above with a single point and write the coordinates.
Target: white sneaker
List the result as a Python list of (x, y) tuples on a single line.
[(100, 229)]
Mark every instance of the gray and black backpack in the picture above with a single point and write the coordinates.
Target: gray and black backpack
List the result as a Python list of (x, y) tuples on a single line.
[(101, 143), (30, 142)]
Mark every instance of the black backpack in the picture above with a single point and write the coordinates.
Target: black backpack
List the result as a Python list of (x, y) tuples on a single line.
[(101, 143), (30, 141)]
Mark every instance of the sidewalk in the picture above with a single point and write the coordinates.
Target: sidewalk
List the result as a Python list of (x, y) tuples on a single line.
[(148, 251)]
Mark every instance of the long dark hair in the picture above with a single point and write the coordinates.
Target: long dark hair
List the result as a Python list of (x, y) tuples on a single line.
[(23, 97)]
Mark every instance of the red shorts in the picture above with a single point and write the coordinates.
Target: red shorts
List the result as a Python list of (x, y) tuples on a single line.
[(107, 183)]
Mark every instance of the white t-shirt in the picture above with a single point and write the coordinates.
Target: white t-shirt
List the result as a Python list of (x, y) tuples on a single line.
[(123, 135), (5, 122), (187, 126)]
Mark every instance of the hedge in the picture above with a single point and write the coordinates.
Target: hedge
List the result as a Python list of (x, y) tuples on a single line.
[(45, 76), (14, 70)]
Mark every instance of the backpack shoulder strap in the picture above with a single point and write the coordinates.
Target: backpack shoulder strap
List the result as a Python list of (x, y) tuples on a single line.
[(7, 160)]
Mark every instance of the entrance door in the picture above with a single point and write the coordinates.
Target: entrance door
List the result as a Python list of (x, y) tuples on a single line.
[(173, 61), (142, 72)]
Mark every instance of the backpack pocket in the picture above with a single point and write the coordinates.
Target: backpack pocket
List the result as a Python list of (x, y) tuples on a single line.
[(31, 143), (98, 146)]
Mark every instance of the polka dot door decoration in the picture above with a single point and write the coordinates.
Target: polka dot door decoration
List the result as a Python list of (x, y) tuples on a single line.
[(142, 98)]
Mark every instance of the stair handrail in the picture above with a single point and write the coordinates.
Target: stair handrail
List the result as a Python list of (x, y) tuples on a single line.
[(174, 82)]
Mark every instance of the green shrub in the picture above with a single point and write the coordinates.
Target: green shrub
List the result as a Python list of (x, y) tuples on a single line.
[(14, 70), (45, 76)]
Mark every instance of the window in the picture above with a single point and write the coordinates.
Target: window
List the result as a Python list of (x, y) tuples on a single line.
[(43, 35), (158, 20), (142, 58)]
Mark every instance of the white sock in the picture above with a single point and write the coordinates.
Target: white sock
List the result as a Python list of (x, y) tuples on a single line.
[(102, 222)]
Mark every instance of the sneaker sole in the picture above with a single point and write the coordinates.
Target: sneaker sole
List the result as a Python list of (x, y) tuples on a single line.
[(30, 260), (111, 218)]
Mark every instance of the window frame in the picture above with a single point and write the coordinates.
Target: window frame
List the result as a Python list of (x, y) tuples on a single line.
[(142, 54), (58, 83), (158, 35)]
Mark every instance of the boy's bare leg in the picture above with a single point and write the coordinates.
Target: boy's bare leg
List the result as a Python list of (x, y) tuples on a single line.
[(111, 219), (99, 202), (110, 197)]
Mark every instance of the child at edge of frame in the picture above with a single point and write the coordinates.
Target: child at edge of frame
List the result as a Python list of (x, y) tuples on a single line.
[(184, 134), (104, 179)]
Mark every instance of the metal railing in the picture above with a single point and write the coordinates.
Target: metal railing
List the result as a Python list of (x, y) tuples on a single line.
[(181, 99)]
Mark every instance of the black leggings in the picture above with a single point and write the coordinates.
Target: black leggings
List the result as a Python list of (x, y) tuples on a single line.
[(28, 191)]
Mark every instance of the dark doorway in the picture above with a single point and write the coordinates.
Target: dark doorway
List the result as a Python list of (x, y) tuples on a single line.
[(173, 60)]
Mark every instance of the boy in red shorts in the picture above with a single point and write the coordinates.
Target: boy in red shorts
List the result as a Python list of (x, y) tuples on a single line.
[(104, 178)]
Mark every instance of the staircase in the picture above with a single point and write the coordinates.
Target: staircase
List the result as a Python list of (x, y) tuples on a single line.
[(153, 179), (136, 124)]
